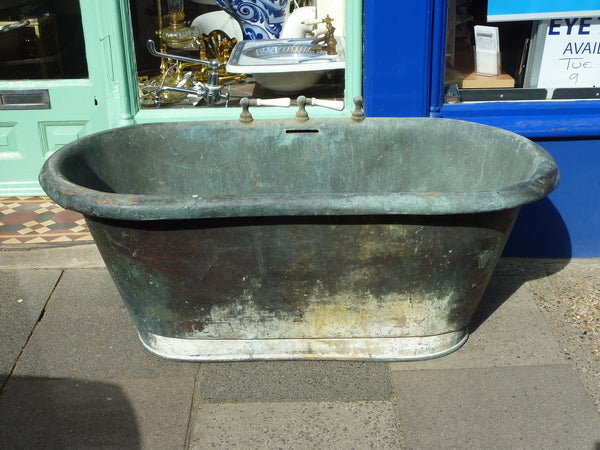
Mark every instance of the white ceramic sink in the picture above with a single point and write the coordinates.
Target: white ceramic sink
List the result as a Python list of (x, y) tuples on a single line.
[(284, 65)]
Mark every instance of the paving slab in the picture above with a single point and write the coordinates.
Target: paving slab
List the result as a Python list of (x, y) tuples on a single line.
[(507, 330), (503, 407), (86, 332), (253, 381), (570, 301), (23, 296), (296, 425), (162, 408), (113, 413), (74, 256)]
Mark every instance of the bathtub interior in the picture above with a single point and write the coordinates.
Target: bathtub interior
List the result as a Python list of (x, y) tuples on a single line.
[(322, 156)]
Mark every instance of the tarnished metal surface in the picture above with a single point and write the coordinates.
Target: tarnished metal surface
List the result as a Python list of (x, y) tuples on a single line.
[(299, 277), (330, 239)]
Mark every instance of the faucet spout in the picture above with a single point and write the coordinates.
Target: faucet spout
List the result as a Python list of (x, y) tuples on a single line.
[(211, 91), (162, 89), (329, 41), (318, 40)]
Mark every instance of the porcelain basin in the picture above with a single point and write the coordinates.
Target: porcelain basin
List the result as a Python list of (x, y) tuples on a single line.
[(284, 65)]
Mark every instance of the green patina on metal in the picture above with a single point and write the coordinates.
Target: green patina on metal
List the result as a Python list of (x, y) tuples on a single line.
[(312, 233)]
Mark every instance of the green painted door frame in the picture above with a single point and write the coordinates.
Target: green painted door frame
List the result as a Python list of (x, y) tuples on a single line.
[(108, 98), (77, 107)]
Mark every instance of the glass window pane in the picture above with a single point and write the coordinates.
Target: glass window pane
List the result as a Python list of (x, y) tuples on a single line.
[(41, 39), (499, 61), (272, 52)]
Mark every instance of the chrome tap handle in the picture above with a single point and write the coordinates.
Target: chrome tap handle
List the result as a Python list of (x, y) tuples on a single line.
[(213, 64), (225, 95), (210, 91)]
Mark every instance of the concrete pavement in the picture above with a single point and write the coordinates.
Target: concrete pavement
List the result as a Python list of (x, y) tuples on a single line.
[(75, 375)]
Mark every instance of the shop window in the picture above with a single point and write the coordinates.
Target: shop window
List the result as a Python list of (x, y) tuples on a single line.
[(265, 49), (547, 58), (41, 39)]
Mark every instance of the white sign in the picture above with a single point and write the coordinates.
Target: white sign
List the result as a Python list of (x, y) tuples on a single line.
[(571, 53)]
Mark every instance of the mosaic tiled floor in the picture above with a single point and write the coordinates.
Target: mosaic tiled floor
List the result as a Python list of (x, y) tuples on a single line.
[(38, 221)]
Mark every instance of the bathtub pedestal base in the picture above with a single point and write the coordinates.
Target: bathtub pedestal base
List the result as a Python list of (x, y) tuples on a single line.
[(374, 348)]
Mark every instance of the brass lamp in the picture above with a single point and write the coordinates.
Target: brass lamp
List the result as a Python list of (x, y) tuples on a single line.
[(176, 35)]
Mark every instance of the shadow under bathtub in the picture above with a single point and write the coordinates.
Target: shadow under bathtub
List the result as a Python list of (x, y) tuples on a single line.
[(538, 235), (64, 413)]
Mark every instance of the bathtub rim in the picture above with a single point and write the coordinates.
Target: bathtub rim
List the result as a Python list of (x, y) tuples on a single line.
[(543, 180)]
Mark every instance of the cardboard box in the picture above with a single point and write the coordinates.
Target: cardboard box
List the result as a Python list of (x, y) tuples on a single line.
[(476, 81)]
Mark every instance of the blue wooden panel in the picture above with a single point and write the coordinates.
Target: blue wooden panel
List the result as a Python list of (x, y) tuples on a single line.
[(397, 52), (548, 119), (567, 223)]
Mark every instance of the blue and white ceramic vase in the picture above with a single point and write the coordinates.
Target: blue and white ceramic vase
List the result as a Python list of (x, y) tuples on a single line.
[(259, 19)]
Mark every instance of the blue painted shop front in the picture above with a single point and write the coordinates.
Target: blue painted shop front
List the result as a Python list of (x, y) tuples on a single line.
[(403, 76)]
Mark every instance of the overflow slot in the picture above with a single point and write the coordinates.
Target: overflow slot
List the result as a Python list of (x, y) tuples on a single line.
[(307, 131)]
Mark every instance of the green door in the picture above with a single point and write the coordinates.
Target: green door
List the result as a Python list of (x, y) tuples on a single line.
[(50, 93)]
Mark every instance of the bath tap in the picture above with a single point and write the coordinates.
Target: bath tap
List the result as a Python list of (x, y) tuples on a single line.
[(211, 91), (301, 101), (330, 43)]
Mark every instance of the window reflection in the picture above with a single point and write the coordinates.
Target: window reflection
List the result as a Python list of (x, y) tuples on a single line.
[(41, 39), (265, 49), (464, 16), (530, 59)]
